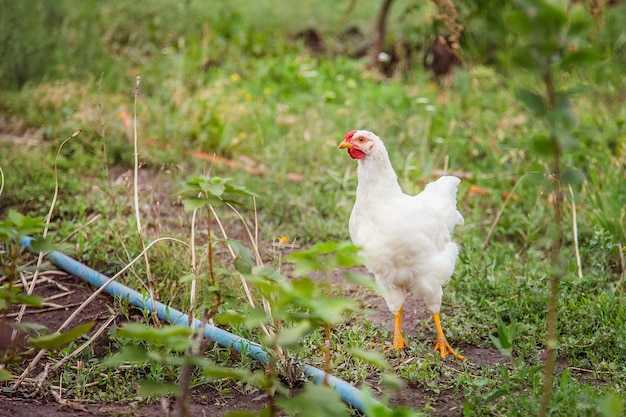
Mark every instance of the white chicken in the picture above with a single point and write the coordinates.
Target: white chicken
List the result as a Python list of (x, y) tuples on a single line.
[(406, 241)]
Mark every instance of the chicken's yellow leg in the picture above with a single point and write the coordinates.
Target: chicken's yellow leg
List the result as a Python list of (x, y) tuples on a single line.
[(398, 340), (441, 344)]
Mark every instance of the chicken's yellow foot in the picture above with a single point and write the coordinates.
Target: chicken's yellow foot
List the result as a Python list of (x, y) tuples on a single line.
[(398, 340), (441, 344)]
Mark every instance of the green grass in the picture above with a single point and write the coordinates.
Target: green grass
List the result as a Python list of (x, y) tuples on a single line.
[(273, 102)]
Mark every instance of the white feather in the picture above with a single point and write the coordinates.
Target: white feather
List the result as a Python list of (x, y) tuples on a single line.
[(405, 240)]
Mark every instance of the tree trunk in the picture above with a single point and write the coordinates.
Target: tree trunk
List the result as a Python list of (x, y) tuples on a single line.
[(378, 35)]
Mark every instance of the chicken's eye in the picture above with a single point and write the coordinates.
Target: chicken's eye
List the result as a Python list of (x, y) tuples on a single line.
[(360, 140)]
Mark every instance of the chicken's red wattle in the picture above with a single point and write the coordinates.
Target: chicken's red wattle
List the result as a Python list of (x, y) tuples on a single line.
[(356, 153)]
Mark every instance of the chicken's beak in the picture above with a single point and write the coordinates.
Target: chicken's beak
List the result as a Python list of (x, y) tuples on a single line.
[(346, 145)]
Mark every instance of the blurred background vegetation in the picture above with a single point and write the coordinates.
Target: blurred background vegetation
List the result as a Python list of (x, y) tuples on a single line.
[(271, 88)]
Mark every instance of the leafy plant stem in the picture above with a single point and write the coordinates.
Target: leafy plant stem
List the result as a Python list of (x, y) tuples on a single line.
[(188, 368), (214, 285), (555, 249)]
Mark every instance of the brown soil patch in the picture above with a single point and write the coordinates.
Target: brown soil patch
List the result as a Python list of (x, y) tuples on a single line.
[(66, 292)]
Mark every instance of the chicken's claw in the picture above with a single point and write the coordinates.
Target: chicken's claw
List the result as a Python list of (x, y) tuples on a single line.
[(399, 343), (441, 343), (443, 347)]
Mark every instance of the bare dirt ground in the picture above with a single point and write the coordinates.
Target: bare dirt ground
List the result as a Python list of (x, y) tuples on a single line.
[(66, 292)]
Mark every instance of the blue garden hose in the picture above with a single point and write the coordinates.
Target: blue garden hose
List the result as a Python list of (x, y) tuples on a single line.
[(350, 394)]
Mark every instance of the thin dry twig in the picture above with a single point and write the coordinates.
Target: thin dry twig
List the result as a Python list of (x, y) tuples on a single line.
[(136, 203), (622, 262), (1, 180), (67, 403), (85, 303), (267, 330), (508, 197), (233, 255), (194, 268), (31, 287), (77, 230), (575, 232), (39, 310), (45, 279), (88, 342)]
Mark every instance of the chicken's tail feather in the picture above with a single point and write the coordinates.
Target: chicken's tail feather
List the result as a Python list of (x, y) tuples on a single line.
[(442, 194)]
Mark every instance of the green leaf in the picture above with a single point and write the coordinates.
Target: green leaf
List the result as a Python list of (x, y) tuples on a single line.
[(255, 317), (242, 265), (291, 336), (203, 191), (331, 310), (612, 406), (195, 203), (148, 388), (230, 318), (25, 327), (267, 273), (42, 244), (528, 58), (13, 296), (127, 354), (166, 335), (370, 356), (573, 177), (179, 344), (315, 401), (535, 102), (30, 300), (5, 375), (304, 263), (191, 277), (233, 374), (505, 339), (362, 280), (580, 22), (16, 218), (542, 144), (18, 225), (244, 260), (518, 22), (550, 12), (392, 381), (566, 140), (55, 340), (216, 187), (583, 56)]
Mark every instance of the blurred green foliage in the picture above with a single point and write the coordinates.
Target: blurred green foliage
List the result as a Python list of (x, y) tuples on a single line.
[(229, 78)]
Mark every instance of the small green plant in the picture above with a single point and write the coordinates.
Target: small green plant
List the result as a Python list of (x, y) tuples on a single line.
[(552, 41), (299, 303), (15, 227), (506, 336), (13, 230)]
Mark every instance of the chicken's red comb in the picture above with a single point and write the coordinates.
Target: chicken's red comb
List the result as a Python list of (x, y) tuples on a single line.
[(349, 135)]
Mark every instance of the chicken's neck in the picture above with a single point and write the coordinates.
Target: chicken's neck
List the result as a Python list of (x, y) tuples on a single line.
[(377, 179)]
